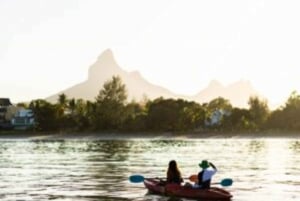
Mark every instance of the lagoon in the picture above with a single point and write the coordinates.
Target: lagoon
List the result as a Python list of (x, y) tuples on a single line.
[(88, 169)]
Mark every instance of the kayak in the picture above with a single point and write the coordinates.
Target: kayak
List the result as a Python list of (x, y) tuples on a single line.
[(214, 193)]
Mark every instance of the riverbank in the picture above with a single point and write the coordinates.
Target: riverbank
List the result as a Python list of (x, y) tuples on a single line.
[(12, 134)]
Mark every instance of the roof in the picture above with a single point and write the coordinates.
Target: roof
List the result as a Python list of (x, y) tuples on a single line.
[(5, 102)]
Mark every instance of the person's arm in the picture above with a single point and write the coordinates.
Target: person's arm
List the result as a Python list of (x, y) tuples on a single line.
[(213, 166)]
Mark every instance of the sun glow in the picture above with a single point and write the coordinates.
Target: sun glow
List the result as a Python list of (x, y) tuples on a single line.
[(191, 42)]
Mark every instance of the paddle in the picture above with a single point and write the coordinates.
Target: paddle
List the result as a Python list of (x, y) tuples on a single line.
[(140, 178), (193, 178), (224, 182)]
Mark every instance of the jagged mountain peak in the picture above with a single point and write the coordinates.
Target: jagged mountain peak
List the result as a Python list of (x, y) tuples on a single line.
[(105, 64), (238, 92), (102, 70), (106, 55)]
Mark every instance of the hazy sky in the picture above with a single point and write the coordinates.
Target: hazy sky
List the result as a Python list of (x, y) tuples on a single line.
[(47, 46)]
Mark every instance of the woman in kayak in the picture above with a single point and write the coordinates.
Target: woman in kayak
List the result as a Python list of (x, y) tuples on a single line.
[(205, 175), (173, 173)]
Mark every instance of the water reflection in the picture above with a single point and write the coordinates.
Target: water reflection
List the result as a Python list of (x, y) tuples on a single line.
[(85, 170), (171, 143), (256, 146), (295, 146)]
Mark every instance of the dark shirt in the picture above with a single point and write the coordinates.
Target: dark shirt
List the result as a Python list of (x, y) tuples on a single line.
[(174, 178)]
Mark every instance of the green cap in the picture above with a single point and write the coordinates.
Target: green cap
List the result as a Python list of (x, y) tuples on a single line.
[(204, 164)]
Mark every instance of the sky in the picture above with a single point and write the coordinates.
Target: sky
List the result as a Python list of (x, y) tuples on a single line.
[(48, 45)]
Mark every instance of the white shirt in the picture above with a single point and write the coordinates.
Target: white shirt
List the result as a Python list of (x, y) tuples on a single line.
[(208, 173)]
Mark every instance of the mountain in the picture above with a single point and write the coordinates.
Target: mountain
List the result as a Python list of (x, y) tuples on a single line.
[(102, 70), (238, 92), (137, 87)]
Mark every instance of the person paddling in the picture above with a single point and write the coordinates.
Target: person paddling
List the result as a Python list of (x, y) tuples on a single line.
[(206, 174), (173, 173)]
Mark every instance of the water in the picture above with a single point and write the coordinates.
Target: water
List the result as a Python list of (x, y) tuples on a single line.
[(85, 170)]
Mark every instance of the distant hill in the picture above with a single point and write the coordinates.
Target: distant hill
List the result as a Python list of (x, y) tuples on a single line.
[(101, 71), (106, 66), (238, 92)]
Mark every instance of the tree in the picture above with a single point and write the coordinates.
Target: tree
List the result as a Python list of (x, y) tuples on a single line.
[(287, 117), (110, 104), (293, 101), (62, 100), (46, 115), (163, 115), (259, 111), (277, 120), (192, 116), (72, 105), (238, 120), (216, 110), (113, 91), (135, 117), (174, 115), (219, 104), (80, 114)]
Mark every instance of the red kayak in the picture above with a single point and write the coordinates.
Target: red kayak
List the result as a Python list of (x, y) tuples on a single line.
[(214, 193)]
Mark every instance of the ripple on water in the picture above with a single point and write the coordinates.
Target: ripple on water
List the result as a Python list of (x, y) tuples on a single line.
[(262, 169)]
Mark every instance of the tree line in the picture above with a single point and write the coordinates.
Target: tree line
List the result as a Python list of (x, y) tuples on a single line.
[(111, 112)]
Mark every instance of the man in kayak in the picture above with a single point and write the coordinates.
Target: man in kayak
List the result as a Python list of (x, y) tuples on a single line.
[(173, 173), (205, 175)]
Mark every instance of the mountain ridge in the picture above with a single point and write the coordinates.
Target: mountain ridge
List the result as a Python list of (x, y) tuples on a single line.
[(138, 87)]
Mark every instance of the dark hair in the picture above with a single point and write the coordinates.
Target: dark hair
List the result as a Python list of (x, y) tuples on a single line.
[(173, 173), (173, 165)]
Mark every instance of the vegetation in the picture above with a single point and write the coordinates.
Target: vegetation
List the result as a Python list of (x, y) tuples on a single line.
[(111, 112)]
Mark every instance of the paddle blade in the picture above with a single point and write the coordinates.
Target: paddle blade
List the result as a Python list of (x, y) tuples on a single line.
[(136, 178), (226, 182), (193, 178)]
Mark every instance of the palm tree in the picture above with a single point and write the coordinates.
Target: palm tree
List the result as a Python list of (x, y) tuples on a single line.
[(62, 100)]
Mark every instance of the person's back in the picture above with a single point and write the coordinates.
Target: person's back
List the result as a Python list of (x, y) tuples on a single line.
[(173, 173), (204, 176)]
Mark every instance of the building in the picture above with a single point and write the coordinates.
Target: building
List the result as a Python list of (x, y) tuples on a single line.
[(13, 117), (5, 104), (216, 117), (23, 119)]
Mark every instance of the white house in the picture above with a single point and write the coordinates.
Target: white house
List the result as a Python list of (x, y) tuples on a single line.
[(23, 119), (216, 117)]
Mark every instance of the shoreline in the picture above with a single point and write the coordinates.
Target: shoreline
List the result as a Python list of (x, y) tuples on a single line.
[(144, 135)]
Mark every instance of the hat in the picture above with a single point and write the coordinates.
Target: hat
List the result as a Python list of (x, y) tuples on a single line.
[(204, 164)]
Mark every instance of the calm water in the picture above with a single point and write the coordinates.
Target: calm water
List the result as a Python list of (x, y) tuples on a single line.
[(85, 170)]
